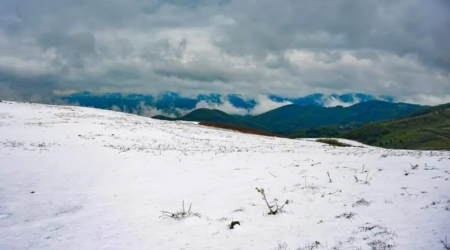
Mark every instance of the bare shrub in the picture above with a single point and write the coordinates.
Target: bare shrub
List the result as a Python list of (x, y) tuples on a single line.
[(281, 246), (446, 244), (361, 202), (379, 244), (414, 167), (349, 216), (183, 214), (368, 227), (273, 209), (367, 181)]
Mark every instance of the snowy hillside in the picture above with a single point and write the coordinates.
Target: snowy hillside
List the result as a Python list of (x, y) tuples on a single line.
[(79, 178)]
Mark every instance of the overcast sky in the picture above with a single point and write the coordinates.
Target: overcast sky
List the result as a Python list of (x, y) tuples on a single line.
[(251, 47)]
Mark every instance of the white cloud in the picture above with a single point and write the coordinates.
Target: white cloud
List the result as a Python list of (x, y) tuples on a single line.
[(424, 99), (226, 107), (331, 101), (263, 104), (149, 111)]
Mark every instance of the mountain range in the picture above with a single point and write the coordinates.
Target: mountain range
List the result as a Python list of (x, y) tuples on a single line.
[(291, 118), (175, 105)]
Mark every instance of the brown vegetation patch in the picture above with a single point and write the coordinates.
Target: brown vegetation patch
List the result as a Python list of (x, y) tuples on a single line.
[(333, 142), (239, 129)]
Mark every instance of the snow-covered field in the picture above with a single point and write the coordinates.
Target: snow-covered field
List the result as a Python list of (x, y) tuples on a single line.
[(80, 178)]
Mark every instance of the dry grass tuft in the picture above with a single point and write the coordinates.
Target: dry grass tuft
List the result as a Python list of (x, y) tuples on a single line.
[(333, 142)]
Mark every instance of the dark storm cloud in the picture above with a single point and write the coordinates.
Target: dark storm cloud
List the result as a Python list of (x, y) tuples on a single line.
[(70, 48), (192, 76), (253, 47), (420, 27), (20, 87)]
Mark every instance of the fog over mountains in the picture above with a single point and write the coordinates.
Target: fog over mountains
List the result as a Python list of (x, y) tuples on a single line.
[(174, 105)]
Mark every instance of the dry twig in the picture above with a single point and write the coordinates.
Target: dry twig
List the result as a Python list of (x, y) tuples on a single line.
[(273, 209)]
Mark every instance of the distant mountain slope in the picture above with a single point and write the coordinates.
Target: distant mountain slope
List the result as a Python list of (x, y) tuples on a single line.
[(424, 129), (212, 115), (291, 118), (323, 131)]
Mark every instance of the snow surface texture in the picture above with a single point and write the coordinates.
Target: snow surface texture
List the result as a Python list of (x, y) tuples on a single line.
[(80, 178)]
